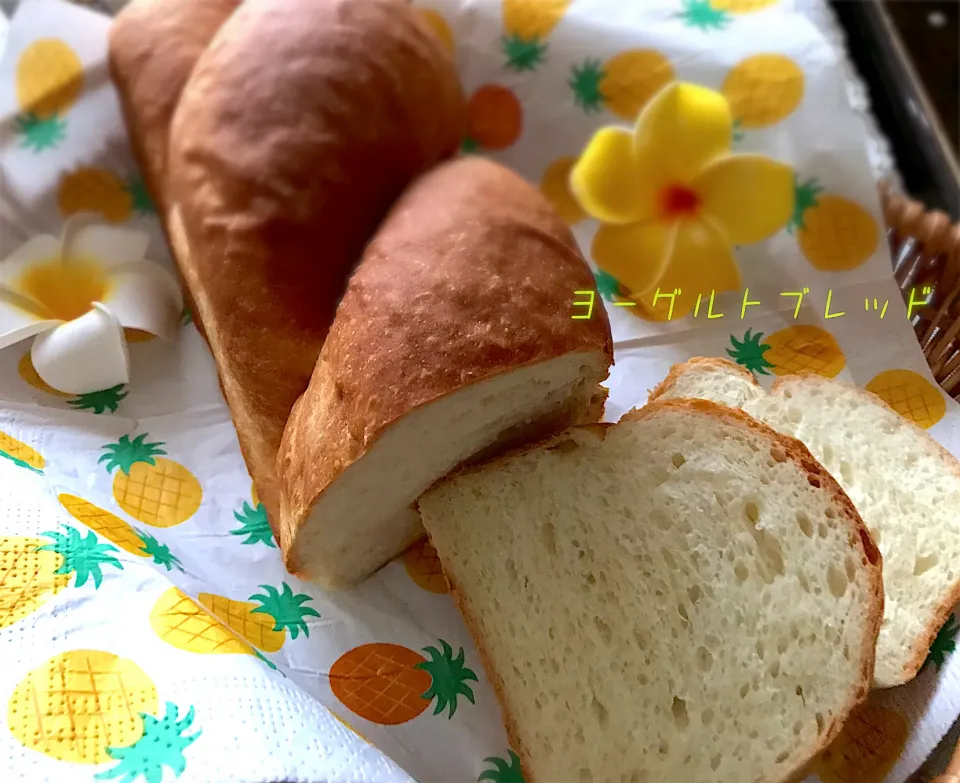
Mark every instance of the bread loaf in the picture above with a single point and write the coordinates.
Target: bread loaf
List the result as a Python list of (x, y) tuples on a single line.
[(154, 46), (299, 125), (649, 604), (454, 337), (904, 484)]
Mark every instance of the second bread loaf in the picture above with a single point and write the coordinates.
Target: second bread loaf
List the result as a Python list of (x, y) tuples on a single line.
[(454, 337), (301, 123)]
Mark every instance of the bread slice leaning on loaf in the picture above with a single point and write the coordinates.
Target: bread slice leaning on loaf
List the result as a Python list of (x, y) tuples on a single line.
[(905, 486), (454, 337), (300, 124), (649, 605)]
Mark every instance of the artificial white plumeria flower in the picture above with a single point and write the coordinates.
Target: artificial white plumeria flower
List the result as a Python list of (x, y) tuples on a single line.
[(75, 295)]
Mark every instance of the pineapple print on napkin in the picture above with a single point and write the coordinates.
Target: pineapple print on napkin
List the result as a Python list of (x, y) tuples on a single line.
[(152, 573)]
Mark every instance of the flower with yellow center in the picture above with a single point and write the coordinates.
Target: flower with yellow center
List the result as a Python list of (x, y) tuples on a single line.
[(672, 199), (76, 294)]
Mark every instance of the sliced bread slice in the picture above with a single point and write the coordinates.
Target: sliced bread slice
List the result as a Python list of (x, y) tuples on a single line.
[(904, 484), (648, 601), (453, 339)]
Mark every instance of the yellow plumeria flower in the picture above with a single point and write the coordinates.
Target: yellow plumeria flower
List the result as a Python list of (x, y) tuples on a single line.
[(76, 294), (673, 200)]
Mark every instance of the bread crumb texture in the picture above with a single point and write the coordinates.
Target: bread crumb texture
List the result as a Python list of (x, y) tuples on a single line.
[(682, 596), (905, 486)]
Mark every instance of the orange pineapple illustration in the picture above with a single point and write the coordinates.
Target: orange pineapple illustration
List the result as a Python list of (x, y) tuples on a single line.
[(867, 747), (494, 118), (390, 684)]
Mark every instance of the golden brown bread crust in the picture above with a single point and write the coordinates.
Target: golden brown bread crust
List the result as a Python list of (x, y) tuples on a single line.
[(300, 124), (677, 370), (471, 275), (817, 475), (153, 48)]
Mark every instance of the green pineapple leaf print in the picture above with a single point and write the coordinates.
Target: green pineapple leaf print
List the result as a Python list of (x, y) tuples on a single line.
[(749, 352), (40, 134), (139, 196), (607, 285), (449, 676), (526, 26), (270, 664), (161, 745), (702, 15), (804, 199), (738, 132), (84, 557), (254, 525), (100, 401), (944, 644), (585, 80), (159, 553), (504, 771), (522, 55), (285, 608)]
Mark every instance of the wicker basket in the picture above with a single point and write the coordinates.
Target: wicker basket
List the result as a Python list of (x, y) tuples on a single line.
[(926, 254)]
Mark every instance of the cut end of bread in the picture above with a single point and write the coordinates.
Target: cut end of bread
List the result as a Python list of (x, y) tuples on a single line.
[(719, 380), (905, 486), (353, 527), (685, 595)]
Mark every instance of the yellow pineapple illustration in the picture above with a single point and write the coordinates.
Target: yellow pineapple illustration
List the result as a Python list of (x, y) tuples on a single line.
[(104, 193), (555, 185), (867, 747), (115, 530), (154, 490), (214, 624), (265, 619), (526, 25), (182, 623), (834, 233), (911, 395), (439, 26), (624, 84), (20, 454), (423, 566), (49, 81), (717, 14), (28, 577), (803, 348), (91, 707), (763, 90), (742, 6), (33, 570)]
